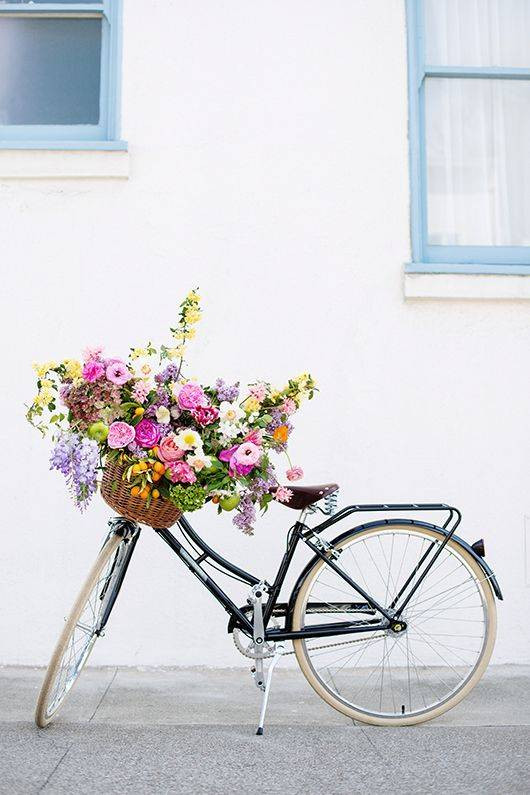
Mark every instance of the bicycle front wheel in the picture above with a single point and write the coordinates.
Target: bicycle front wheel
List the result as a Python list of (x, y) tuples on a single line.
[(79, 634), (378, 676)]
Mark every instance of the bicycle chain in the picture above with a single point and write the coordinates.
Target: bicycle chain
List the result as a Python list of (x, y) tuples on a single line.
[(239, 646)]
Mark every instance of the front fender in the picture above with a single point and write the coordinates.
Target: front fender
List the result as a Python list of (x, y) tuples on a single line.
[(378, 523)]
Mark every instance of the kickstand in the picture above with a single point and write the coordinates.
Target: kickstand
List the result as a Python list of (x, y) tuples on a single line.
[(277, 654)]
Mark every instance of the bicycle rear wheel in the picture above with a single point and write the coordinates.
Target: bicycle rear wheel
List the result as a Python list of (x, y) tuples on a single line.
[(390, 679), (80, 632)]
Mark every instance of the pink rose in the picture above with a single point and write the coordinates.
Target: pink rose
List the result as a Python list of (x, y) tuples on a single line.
[(247, 453), (181, 472), (120, 435), (93, 370), (146, 433), (191, 396), (168, 450), (117, 372), (205, 415), (295, 473)]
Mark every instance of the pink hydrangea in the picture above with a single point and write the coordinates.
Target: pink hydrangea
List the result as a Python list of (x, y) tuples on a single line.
[(117, 372), (93, 370), (147, 433), (205, 415), (295, 473), (120, 435), (283, 494), (181, 472), (140, 391), (191, 396)]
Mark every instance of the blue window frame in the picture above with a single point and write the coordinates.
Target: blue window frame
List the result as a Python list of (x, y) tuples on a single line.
[(60, 74), (464, 217)]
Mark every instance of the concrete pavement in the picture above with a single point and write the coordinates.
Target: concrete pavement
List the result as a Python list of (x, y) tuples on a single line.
[(191, 730)]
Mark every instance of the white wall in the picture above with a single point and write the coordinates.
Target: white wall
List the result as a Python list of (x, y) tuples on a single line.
[(268, 147)]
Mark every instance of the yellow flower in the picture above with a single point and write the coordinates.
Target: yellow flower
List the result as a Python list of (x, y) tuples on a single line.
[(40, 369), (193, 297), (46, 383), (176, 353), (138, 353), (251, 404), (275, 394), (192, 316), (73, 368)]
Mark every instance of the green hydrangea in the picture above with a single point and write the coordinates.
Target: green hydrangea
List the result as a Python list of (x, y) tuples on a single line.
[(187, 498)]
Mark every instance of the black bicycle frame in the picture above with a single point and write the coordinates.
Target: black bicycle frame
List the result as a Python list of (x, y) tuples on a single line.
[(241, 617)]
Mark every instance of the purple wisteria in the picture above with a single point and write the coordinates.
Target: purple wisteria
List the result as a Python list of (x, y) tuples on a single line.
[(77, 458)]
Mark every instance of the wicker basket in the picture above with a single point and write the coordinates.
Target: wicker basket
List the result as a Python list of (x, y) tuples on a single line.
[(116, 493)]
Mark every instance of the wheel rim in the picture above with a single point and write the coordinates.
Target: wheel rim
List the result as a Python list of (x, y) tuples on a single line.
[(384, 675), (81, 639)]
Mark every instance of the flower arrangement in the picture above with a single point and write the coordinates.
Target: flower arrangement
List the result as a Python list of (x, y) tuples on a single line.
[(173, 438)]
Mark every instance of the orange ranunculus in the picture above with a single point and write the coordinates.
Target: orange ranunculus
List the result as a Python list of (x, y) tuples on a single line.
[(280, 434)]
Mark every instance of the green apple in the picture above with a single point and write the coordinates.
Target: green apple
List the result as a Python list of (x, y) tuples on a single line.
[(229, 503), (98, 431)]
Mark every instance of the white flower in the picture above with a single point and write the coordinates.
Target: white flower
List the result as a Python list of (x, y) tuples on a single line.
[(188, 439), (175, 412), (162, 415), (199, 460), (228, 431), (230, 412)]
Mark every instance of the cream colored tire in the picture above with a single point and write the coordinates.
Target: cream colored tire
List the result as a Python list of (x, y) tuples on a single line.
[(344, 707), (46, 709)]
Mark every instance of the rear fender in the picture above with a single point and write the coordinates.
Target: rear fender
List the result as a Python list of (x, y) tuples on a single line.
[(385, 523)]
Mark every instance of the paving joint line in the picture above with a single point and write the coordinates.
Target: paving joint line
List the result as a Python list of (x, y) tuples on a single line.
[(104, 694), (54, 770)]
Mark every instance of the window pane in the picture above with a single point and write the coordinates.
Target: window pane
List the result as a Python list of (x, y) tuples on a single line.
[(49, 70), (477, 32), (478, 161)]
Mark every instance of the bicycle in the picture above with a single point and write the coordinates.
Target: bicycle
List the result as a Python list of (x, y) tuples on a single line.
[(400, 645)]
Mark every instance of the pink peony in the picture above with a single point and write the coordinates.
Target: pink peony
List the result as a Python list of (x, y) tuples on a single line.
[(117, 372), (168, 450), (181, 472), (120, 435), (247, 453), (288, 406), (283, 494), (295, 473), (205, 415), (256, 437), (93, 370), (191, 397), (146, 433)]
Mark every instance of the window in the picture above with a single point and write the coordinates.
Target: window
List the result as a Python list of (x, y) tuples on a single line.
[(59, 73), (469, 91)]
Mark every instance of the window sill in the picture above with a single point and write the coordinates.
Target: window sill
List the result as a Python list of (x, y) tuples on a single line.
[(485, 286), (62, 161)]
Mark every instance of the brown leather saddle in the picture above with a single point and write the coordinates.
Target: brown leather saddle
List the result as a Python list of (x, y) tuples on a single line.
[(304, 496)]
